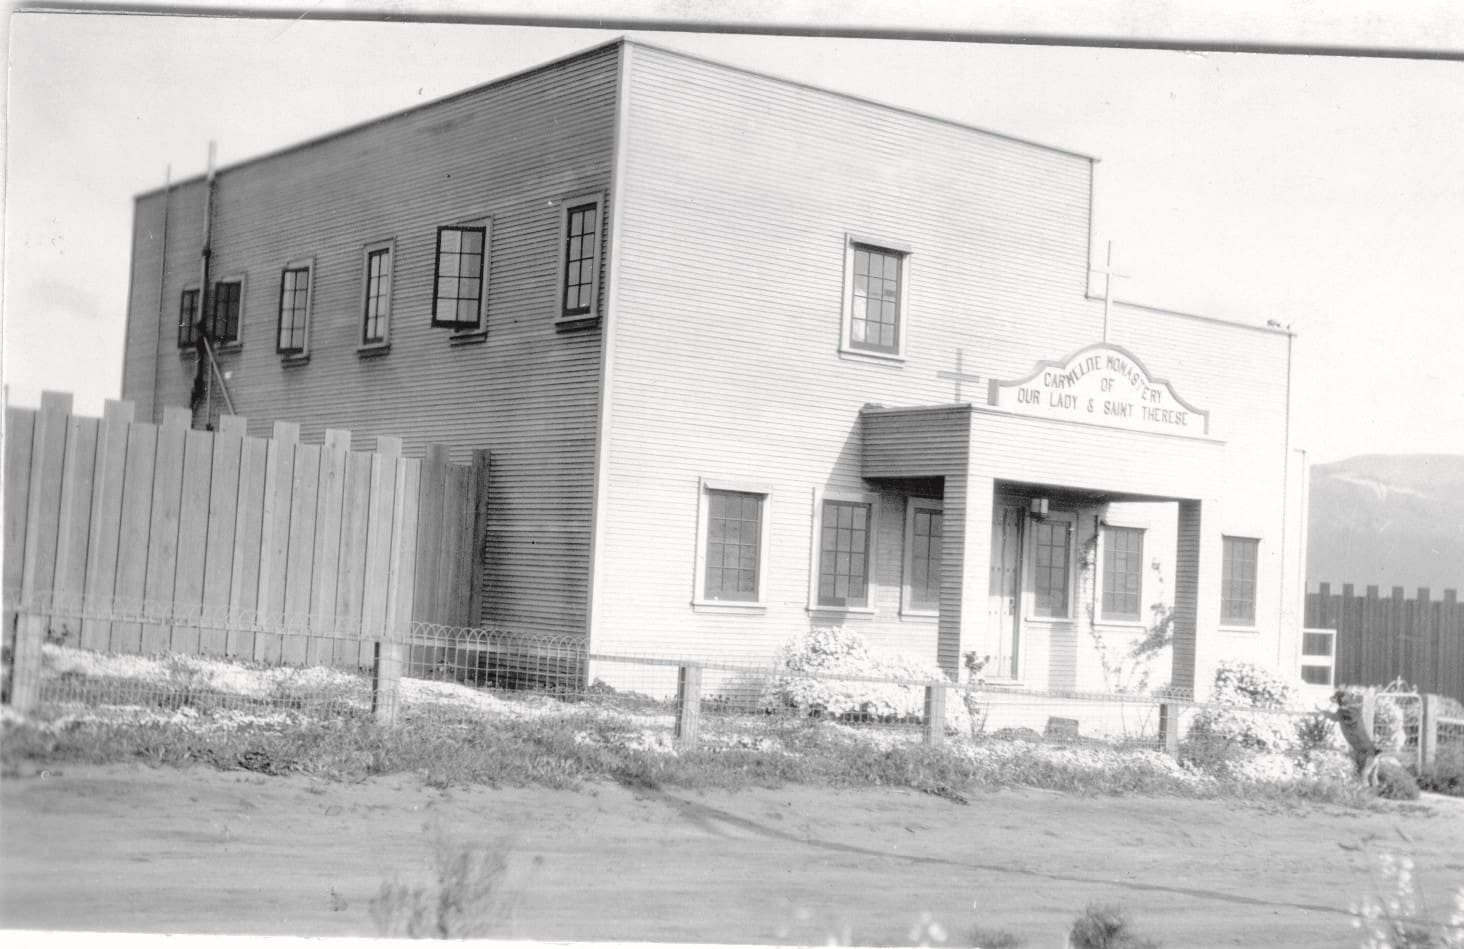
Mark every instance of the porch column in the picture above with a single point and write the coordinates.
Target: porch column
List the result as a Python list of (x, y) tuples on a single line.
[(965, 568), (1196, 601)]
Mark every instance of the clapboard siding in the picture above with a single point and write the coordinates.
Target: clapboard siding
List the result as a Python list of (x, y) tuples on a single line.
[(737, 195), (511, 151)]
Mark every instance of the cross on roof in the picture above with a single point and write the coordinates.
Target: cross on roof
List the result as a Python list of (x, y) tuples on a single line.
[(958, 376), (1108, 274)]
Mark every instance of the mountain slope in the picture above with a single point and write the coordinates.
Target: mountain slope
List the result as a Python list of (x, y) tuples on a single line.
[(1388, 520)]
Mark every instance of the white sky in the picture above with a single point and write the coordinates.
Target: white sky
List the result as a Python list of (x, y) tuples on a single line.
[(1323, 192)]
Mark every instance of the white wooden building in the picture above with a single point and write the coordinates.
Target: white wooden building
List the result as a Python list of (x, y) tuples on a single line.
[(752, 357)]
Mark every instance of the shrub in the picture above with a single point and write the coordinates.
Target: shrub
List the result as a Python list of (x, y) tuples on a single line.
[(1446, 774), (1315, 732), (834, 651), (1105, 927), (1241, 687)]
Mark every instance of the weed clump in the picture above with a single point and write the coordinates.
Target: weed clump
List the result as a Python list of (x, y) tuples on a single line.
[(1105, 927), (464, 902)]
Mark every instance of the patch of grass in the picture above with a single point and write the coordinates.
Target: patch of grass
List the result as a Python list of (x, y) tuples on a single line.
[(1105, 927), (1446, 774), (983, 938), (463, 903)]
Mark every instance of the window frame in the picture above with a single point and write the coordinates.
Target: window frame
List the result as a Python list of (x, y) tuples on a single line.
[(847, 346), (1101, 576), (1313, 660), (908, 606), (302, 354), (191, 343), (363, 345), (699, 599), (1228, 620), (561, 285), (871, 558), (213, 300), (1030, 566), (483, 225)]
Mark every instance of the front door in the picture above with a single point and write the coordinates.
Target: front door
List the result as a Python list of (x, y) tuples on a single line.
[(1004, 589)]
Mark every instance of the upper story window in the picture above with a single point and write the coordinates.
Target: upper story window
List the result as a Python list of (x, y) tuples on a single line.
[(1238, 581), (376, 305), (579, 254), (875, 299), (1123, 573), (460, 280), (227, 304), (1052, 541), (294, 323), (188, 319)]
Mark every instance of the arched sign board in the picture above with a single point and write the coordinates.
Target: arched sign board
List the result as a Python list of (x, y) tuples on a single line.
[(1101, 385)]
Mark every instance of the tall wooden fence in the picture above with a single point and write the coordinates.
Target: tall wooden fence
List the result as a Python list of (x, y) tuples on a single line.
[(1380, 638), (124, 536)]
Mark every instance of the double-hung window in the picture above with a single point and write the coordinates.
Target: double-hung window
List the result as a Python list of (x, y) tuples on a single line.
[(188, 318), (579, 259), (294, 324), (460, 282), (1052, 541), (845, 552), (732, 545), (923, 530), (225, 308), (1123, 573), (376, 299), (875, 299), (1238, 581)]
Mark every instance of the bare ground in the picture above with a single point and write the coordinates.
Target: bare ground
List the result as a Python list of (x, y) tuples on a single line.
[(135, 849)]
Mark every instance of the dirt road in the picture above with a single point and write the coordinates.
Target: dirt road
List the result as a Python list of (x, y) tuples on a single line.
[(135, 849)]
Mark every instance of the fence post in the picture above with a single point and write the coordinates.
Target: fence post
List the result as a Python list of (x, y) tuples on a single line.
[(386, 682), (935, 716), (688, 705), (1428, 731), (1169, 727)]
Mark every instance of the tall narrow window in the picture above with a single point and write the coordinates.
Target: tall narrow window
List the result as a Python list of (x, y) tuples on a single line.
[(843, 556), (1051, 567), (188, 319), (1123, 572), (457, 299), (923, 529), (875, 320), (223, 324), (376, 310), (1238, 581), (734, 526), (294, 309), (579, 259)]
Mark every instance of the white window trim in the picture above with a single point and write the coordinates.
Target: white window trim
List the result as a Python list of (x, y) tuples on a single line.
[(306, 264), (871, 573), (847, 348), (1328, 662), (597, 198), (1029, 568), (699, 599), (911, 506), (1254, 626), (242, 280), (1103, 618), (383, 344), (481, 328)]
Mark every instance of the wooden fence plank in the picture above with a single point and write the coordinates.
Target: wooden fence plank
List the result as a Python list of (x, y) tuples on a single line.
[(193, 526), (327, 549), (162, 532), (378, 545), (274, 539), (401, 582), (299, 576), (248, 539), (482, 487), (223, 522), (456, 570), (352, 573), (38, 574), (20, 429), (104, 536), (431, 485), (136, 513), (73, 525)]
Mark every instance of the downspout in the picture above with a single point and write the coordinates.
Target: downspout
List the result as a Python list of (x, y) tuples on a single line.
[(162, 300), (1285, 509), (202, 378)]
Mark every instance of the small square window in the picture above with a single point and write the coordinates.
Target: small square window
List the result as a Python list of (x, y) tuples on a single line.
[(1123, 573), (376, 297), (294, 324), (1238, 581), (460, 283), (875, 294)]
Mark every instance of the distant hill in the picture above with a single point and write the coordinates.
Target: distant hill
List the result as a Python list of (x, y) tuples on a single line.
[(1391, 520)]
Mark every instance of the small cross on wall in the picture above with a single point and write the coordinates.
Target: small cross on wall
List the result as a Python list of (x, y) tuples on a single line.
[(958, 375)]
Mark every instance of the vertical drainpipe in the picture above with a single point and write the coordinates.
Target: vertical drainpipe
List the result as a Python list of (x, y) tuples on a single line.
[(205, 253), (162, 303), (1285, 510)]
